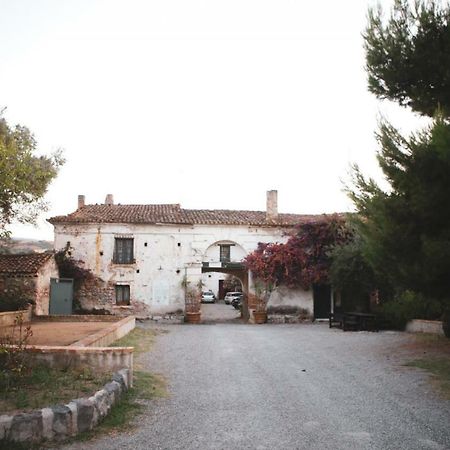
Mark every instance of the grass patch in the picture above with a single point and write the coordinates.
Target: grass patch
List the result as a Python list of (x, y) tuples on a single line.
[(146, 386), (439, 369), (141, 339), (42, 387)]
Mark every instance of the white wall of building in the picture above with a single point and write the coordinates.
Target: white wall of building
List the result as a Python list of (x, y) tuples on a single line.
[(287, 299), (163, 254)]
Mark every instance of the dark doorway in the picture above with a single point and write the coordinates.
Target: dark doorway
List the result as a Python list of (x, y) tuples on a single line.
[(322, 301), (221, 290)]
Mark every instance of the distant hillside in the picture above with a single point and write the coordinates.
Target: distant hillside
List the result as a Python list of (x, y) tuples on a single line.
[(21, 245)]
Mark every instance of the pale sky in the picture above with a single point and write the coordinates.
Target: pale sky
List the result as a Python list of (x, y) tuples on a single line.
[(204, 103)]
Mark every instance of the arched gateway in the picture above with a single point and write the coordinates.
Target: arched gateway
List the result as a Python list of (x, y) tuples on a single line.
[(226, 257)]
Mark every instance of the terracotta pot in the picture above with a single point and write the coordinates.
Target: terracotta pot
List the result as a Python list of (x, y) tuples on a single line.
[(192, 317), (260, 316)]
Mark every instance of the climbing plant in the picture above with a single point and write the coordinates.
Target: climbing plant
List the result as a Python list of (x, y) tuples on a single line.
[(304, 259)]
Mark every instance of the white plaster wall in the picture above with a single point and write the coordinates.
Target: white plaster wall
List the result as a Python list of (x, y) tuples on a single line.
[(237, 252), (283, 296), (47, 271), (171, 252), (211, 281)]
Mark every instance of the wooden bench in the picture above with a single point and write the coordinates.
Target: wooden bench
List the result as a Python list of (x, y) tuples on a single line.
[(336, 319), (356, 321)]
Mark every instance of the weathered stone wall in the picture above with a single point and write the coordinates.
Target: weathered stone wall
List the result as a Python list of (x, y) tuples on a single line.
[(425, 326), (98, 296), (106, 337), (24, 287), (7, 319), (62, 421), (100, 359)]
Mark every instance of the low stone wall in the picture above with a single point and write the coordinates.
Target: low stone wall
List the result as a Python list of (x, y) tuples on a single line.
[(425, 326), (107, 336), (62, 421), (7, 318), (288, 318), (77, 318), (288, 301), (100, 359)]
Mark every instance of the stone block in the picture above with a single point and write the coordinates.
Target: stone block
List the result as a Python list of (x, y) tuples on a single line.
[(62, 421), (126, 374), (86, 414), (102, 403), (26, 427), (5, 426), (47, 423), (114, 390), (118, 378)]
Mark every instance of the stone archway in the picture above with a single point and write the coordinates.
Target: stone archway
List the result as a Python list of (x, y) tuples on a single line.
[(215, 259)]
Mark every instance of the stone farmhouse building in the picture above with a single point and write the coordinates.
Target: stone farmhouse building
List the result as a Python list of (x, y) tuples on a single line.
[(28, 276), (140, 254)]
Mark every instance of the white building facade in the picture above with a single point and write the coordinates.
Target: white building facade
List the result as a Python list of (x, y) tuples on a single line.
[(140, 255)]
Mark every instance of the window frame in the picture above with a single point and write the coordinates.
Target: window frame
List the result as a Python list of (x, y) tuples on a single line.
[(122, 254), (120, 290), (225, 253)]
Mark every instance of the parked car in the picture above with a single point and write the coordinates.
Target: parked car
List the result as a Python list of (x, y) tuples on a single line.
[(208, 297), (236, 302), (230, 296)]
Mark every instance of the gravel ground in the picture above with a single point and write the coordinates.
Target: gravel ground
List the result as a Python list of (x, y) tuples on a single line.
[(236, 386)]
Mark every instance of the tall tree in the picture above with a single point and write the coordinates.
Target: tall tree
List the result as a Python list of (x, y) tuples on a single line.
[(24, 176), (408, 55), (405, 230)]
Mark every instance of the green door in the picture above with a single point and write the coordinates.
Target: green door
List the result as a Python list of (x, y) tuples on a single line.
[(61, 296)]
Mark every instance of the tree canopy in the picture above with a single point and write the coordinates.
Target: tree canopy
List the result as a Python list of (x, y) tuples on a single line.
[(24, 176), (406, 229), (408, 55)]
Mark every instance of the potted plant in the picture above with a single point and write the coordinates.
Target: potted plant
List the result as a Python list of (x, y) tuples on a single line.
[(260, 299), (192, 302)]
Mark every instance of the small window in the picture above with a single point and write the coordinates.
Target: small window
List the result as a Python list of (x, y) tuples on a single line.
[(122, 294), (123, 251), (225, 253)]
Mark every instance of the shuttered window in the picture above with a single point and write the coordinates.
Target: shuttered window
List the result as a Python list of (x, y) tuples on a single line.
[(122, 294), (123, 251), (225, 253)]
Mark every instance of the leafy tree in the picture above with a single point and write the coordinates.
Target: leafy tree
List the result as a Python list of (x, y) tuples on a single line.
[(408, 56), (405, 230), (351, 274), (24, 176)]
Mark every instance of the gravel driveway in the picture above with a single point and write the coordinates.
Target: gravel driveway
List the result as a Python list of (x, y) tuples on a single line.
[(236, 386)]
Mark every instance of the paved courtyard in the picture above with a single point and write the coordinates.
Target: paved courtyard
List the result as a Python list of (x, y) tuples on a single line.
[(236, 386)]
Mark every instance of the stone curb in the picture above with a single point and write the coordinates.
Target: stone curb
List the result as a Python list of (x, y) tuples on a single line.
[(62, 421)]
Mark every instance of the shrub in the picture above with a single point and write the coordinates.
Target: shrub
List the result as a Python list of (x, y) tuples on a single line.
[(13, 361), (14, 303), (409, 305)]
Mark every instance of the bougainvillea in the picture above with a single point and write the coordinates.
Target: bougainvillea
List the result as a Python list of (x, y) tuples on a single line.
[(304, 259)]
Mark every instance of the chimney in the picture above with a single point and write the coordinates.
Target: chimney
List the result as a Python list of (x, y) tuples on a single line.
[(109, 200), (272, 206), (81, 200)]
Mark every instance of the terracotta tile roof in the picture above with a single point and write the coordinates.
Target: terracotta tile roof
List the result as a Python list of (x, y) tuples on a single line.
[(28, 264), (174, 214)]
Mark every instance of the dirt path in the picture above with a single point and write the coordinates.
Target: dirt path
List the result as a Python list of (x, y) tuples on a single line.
[(61, 333)]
